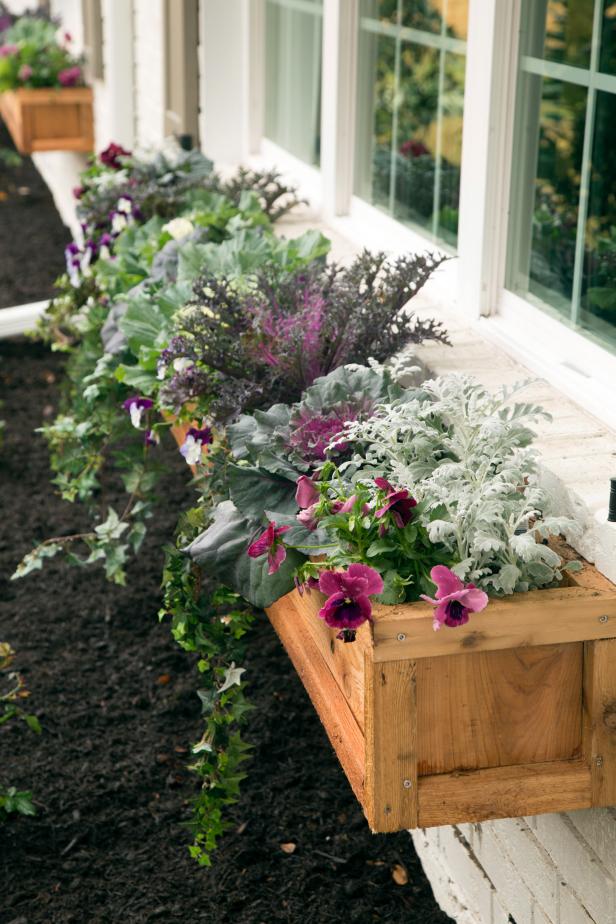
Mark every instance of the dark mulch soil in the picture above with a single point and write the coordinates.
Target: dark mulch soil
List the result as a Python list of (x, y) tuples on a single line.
[(117, 702), (32, 235)]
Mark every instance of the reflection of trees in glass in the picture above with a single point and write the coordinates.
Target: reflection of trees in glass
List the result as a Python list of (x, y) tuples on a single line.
[(569, 31), (405, 117)]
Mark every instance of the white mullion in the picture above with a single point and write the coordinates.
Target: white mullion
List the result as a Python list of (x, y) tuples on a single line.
[(491, 70), (415, 36), (589, 130), (338, 104)]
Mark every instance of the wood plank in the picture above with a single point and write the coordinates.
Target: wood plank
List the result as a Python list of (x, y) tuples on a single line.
[(342, 729), (49, 118), (498, 708), (540, 617), (600, 719), (588, 577), (504, 792), (345, 661), (391, 745)]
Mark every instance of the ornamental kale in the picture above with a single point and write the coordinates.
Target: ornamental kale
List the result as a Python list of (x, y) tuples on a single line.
[(270, 342)]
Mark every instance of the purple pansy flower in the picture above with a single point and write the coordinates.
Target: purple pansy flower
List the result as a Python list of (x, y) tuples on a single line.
[(307, 492), (270, 543), (196, 439), (346, 506), (347, 606), (110, 157), (398, 503), (8, 49), (151, 438), (69, 76), (454, 600), (307, 497), (135, 407), (25, 72)]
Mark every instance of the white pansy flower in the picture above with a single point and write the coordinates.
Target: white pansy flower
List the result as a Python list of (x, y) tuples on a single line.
[(179, 228), (124, 205), (118, 223)]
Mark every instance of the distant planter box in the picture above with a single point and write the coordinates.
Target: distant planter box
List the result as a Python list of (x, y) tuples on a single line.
[(512, 714), (54, 119)]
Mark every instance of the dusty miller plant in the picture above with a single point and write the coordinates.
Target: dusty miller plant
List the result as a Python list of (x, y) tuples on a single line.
[(466, 453)]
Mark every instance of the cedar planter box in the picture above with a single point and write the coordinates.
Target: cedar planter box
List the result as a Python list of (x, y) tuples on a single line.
[(512, 714), (49, 119)]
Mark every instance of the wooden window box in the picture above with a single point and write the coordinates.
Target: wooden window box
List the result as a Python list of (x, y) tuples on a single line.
[(512, 714), (54, 119)]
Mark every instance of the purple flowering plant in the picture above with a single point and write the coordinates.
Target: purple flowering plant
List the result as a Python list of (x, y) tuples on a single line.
[(268, 342), (373, 523), (33, 54)]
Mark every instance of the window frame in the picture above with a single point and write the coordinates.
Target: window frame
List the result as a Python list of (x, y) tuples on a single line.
[(475, 281)]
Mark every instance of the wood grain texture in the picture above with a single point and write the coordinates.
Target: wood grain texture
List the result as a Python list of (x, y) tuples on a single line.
[(391, 745), (503, 792), (600, 719), (346, 662), (497, 708), (340, 724), (49, 119), (540, 617)]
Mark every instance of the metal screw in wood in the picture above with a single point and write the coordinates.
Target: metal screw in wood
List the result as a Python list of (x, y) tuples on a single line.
[(407, 784), (401, 636), (603, 618)]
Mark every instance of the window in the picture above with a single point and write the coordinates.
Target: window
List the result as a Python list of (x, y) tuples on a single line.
[(182, 69), (410, 101), (562, 235), (293, 48), (93, 38)]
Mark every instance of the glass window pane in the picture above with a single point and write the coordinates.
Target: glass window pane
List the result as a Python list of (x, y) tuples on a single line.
[(568, 30), (608, 38), (562, 235), (293, 42), (546, 188), (417, 135), (423, 14), (410, 100), (598, 300)]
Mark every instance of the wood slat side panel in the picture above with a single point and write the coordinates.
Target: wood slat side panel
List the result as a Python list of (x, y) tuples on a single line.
[(498, 708), (600, 719), (342, 729), (540, 617), (504, 792), (345, 661), (391, 745)]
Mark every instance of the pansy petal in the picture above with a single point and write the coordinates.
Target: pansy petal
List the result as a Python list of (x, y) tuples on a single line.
[(330, 582), (474, 599), (275, 558), (374, 581), (446, 581)]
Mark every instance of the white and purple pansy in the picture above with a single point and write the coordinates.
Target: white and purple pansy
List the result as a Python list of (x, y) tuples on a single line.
[(136, 407), (196, 439)]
